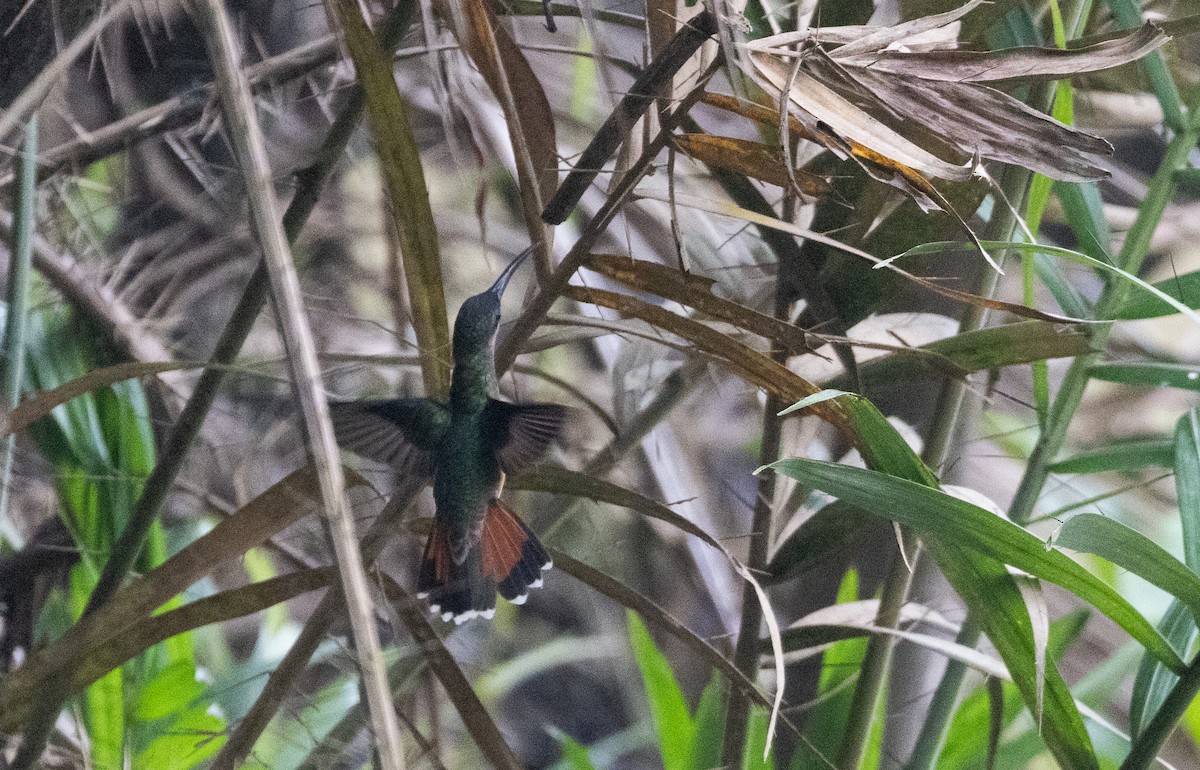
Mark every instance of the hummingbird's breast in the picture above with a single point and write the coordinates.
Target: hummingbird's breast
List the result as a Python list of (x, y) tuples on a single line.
[(466, 477)]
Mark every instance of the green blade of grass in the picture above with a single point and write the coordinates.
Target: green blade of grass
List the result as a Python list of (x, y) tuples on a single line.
[(1083, 209), (709, 721), (17, 301), (1130, 455), (574, 754), (676, 733), (1128, 14), (887, 449), (754, 755), (1069, 255), (400, 164), (1152, 374), (979, 350), (968, 731), (1187, 484), (1136, 247), (1184, 288), (985, 582), (1153, 681)]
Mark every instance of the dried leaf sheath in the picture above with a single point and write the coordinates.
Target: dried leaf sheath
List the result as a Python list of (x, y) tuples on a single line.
[(915, 107)]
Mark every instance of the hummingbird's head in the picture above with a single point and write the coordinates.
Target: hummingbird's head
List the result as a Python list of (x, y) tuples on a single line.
[(479, 316)]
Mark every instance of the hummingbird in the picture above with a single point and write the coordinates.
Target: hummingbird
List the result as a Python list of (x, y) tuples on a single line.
[(467, 448)]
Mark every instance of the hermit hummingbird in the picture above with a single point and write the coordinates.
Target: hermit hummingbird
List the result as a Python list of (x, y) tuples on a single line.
[(467, 447)]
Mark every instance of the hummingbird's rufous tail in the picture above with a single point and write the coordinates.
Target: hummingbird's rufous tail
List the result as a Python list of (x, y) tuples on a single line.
[(508, 558)]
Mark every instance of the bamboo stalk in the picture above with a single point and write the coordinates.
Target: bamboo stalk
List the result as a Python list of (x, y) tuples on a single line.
[(250, 148), (1133, 253), (36, 92)]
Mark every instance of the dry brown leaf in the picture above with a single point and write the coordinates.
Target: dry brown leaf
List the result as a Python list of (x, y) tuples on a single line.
[(1024, 64), (753, 366), (753, 159), (41, 404), (856, 39), (818, 105), (695, 291), (526, 108), (878, 166), (920, 108), (996, 126)]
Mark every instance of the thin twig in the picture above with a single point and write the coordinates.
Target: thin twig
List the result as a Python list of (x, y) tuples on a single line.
[(93, 299), (748, 647), (616, 128), (35, 93), (180, 110), (549, 292)]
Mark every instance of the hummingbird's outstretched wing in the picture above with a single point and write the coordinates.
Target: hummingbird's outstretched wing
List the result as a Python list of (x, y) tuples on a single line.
[(401, 432), (521, 433)]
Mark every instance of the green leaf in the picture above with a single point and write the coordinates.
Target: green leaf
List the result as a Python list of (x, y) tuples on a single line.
[(186, 743), (1069, 255), (829, 713), (1184, 288), (966, 742), (1133, 551), (949, 521), (1058, 282), (170, 691), (884, 448), (757, 726), (1187, 484), (574, 754), (709, 720), (676, 733), (1127, 455), (1084, 213), (1154, 681), (1149, 373), (983, 349), (104, 717), (967, 738), (102, 446), (985, 582)]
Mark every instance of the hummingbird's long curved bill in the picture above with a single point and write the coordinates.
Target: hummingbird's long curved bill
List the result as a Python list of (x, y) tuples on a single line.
[(502, 282)]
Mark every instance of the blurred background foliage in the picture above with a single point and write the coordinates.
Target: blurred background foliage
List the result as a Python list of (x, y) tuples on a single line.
[(646, 647)]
